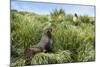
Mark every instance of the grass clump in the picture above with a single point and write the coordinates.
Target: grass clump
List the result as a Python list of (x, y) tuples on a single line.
[(71, 42)]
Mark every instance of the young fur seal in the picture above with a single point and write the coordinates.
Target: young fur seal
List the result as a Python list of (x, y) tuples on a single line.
[(43, 46)]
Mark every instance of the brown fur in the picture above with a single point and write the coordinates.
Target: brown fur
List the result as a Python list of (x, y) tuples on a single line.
[(43, 46)]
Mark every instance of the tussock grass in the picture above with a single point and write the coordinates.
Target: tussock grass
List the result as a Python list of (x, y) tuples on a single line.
[(72, 41)]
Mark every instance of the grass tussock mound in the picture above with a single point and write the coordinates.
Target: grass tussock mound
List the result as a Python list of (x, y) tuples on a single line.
[(72, 41)]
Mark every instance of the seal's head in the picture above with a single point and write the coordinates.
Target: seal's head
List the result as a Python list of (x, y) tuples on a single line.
[(48, 31)]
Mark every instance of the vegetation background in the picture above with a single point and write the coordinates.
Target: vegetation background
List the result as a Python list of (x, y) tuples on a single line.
[(73, 41)]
